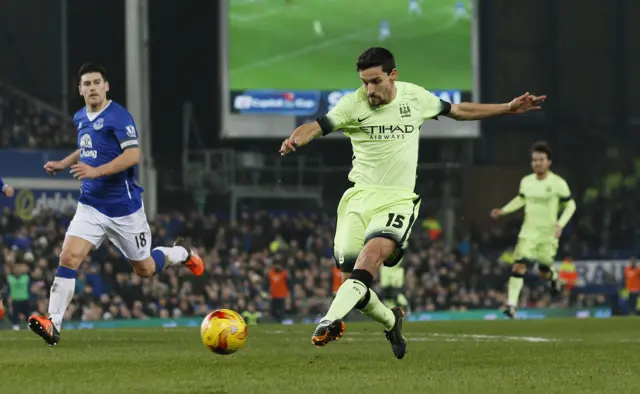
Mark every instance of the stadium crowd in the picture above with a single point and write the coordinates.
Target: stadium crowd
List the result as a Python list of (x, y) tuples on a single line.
[(244, 260), (26, 123)]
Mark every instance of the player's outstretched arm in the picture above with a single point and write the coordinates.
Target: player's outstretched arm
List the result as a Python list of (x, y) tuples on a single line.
[(476, 111), (300, 136), (512, 206)]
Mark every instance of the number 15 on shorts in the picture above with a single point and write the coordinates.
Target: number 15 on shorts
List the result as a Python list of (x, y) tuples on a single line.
[(396, 221)]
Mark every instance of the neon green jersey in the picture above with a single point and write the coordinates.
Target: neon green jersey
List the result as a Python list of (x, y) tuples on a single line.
[(385, 139), (542, 198)]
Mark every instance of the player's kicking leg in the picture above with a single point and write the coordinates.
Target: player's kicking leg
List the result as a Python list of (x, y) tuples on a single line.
[(132, 235), (162, 257), (356, 292), (383, 245)]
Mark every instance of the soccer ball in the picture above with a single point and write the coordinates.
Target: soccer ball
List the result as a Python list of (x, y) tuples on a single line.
[(223, 331)]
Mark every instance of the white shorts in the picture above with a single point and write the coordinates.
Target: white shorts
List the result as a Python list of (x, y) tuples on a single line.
[(414, 6), (131, 234)]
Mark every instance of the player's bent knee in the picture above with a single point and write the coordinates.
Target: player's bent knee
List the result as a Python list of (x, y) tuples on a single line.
[(74, 250), (519, 268), (375, 252), (71, 258), (144, 269), (369, 260)]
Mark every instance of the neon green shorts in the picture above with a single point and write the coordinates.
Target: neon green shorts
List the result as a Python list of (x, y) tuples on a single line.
[(541, 251), (365, 213)]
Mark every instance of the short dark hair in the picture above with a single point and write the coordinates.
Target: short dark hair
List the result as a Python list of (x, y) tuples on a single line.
[(542, 147), (376, 57), (92, 68)]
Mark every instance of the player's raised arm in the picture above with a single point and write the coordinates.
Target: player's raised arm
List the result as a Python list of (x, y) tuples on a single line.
[(336, 118), (476, 111)]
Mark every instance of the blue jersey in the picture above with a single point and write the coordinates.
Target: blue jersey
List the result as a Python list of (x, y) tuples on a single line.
[(102, 137), (384, 25)]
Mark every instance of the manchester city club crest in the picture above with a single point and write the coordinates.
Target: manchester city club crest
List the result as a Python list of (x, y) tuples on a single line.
[(405, 110)]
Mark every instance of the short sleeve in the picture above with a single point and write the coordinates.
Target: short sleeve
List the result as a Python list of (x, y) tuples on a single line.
[(564, 193), (126, 134), (522, 187), (339, 116), (432, 106)]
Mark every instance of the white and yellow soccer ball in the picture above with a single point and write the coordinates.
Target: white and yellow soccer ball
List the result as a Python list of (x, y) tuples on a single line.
[(223, 331)]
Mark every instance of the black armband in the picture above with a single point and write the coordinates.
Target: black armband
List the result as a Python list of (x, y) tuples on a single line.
[(325, 125), (566, 199), (445, 109)]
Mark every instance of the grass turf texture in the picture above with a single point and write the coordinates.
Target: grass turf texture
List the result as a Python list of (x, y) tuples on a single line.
[(527, 356), (273, 45)]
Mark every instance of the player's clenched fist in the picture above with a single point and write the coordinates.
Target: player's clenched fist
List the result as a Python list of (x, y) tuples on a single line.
[(287, 146), (496, 213), (7, 190), (53, 167)]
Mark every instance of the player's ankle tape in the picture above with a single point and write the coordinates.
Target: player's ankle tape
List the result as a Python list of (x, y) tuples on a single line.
[(364, 301), (516, 274), (363, 276)]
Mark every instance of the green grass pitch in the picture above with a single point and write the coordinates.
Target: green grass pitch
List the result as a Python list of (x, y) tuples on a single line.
[(273, 44), (522, 356)]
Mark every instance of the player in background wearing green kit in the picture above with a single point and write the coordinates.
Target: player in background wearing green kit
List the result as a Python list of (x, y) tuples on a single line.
[(541, 194), (383, 120)]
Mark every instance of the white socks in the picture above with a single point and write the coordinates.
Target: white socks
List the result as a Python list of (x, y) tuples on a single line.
[(61, 294), (173, 254)]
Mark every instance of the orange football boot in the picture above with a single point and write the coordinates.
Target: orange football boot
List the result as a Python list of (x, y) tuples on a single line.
[(193, 262), (45, 329)]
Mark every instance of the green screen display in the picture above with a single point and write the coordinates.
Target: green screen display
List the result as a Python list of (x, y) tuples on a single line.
[(313, 44)]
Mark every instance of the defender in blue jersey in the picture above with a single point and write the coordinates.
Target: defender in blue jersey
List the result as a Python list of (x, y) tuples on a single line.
[(110, 205)]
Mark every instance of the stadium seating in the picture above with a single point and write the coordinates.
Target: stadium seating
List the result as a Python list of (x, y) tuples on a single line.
[(238, 257)]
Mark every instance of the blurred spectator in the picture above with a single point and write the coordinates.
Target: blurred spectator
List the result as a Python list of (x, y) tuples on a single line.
[(279, 287), (19, 295), (632, 284)]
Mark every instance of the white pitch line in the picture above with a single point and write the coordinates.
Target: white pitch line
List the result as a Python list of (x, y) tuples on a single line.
[(480, 337), (244, 18), (302, 51)]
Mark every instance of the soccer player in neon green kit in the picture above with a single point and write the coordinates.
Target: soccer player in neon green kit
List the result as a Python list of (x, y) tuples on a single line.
[(383, 120), (542, 194)]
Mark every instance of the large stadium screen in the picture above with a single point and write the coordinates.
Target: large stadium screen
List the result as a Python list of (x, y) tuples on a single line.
[(296, 57)]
